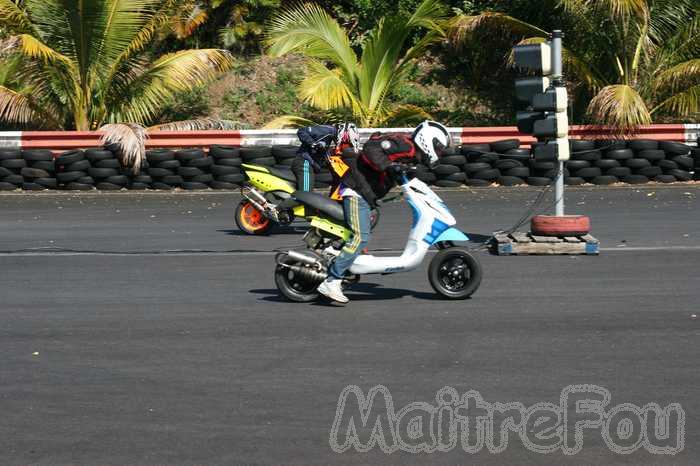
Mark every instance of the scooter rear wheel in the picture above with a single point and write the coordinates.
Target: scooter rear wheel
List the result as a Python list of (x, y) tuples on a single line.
[(293, 285), (250, 220), (454, 273)]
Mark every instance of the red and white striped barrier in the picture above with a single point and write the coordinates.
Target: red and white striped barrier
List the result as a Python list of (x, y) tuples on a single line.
[(65, 140)]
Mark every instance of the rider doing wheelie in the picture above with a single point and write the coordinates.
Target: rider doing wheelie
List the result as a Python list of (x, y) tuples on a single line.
[(366, 177)]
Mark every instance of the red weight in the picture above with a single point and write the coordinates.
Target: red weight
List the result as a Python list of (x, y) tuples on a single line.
[(568, 225)]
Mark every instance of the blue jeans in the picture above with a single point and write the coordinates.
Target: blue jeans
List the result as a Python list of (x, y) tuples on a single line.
[(357, 217)]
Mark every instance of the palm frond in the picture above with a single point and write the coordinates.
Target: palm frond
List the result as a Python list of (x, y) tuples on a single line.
[(668, 16), (402, 115), (131, 138), (417, 50), (32, 47), (430, 14), (202, 124), (308, 29), (383, 49), (13, 17), (171, 74), (461, 26), (682, 73), (16, 108), (288, 121), (114, 30), (189, 17), (325, 89), (153, 24), (682, 104), (622, 8), (619, 106), (380, 56)]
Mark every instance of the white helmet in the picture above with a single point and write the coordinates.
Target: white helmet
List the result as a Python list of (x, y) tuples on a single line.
[(431, 138), (348, 134)]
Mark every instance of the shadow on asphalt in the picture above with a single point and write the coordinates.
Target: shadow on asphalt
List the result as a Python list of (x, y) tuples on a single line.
[(477, 238), (274, 231), (368, 292)]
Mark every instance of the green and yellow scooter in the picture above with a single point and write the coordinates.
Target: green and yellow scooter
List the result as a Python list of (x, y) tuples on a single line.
[(268, 200)]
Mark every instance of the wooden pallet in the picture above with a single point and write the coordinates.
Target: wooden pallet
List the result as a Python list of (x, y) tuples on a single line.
[(528, 244)]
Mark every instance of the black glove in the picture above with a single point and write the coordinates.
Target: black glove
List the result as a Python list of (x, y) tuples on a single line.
[(395, 171)]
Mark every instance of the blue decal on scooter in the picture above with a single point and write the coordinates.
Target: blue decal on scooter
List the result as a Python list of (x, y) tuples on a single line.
[(451, 234), (416, 214), (435, 231)]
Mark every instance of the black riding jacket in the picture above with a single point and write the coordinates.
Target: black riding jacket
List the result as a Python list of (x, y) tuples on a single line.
[(367, 171), (310, 136)]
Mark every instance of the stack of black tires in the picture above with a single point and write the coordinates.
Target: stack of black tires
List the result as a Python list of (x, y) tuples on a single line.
[(633, 162), (502, 162), (106, 170), (163, 169), (40, 171), (258, 155), (194, 169), (72, 171), (226, 167), (450, 172), (284, 155), (11, 165)]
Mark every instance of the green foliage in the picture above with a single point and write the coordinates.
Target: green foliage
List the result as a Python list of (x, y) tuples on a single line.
[(629, 61), (185, 106), (83, 64), (259, 90), (408, 93), (337, 79)]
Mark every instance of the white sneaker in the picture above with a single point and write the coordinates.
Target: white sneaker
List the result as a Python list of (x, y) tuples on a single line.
[(331, 288)]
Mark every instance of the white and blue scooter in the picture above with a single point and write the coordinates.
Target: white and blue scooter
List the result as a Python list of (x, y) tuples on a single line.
[(453, 272)]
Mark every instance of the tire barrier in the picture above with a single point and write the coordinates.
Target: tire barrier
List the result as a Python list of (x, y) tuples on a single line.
[(504, 162)]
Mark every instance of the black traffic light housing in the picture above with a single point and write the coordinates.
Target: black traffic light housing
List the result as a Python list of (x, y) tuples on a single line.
[(543, 98)]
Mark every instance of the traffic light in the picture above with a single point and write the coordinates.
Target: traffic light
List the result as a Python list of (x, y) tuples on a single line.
[(543, 98)]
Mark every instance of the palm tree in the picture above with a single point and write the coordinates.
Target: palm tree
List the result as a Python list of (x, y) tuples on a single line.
[(336, 80), (638, 59), (83, 63)]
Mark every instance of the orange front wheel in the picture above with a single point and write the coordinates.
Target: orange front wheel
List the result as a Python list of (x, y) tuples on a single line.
[(250, 220)]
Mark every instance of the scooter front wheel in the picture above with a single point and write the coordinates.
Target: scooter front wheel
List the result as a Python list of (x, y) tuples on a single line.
[(454, 273), (250, 220)]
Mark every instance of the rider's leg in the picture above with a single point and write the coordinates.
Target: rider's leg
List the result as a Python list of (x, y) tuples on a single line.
[(304, 173), (357, 216)]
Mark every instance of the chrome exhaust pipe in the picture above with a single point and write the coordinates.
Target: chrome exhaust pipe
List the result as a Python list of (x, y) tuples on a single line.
[(260, 203), (257, 196), (303, 258)]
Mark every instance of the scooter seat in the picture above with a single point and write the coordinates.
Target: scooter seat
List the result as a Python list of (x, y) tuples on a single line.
[(285, 174), (331, 208)]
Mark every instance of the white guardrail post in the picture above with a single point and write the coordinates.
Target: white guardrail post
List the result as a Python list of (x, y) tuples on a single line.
[(10, 139), (692, 134)]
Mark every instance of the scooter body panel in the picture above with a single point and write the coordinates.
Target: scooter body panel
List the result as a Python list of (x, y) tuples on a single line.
[(432, 223), (259, 177), (331, 227)]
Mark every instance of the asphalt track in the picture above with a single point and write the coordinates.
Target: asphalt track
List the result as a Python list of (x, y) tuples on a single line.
[(142, 329)]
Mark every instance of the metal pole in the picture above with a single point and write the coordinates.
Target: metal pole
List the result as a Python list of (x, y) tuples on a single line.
[(558, 81), (559, 192)]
